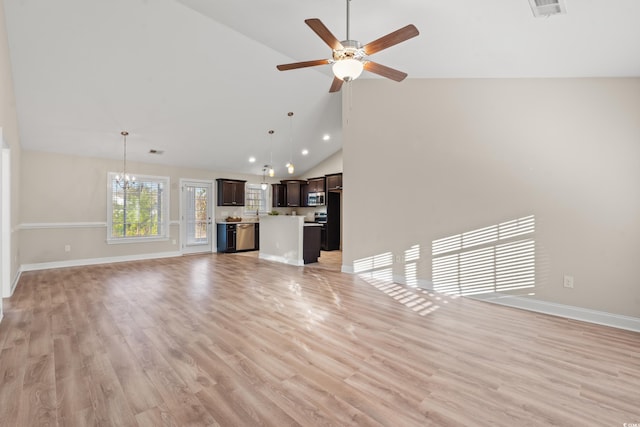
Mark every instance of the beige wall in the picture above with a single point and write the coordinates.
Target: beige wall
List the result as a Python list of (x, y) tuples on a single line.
[(427, 159), (9, 132), (332, 164), (63, 197)]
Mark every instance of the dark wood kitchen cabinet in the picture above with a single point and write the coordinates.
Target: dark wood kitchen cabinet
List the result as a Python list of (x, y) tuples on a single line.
[(257, 236), (333, 235), (311, 244), (316, 185), (226, 237), (230, 192), (278, 195), (304, 194), (334, 182), (294, 192)]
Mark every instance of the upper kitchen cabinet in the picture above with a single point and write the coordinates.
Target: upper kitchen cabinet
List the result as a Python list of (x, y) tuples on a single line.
[(316, 185), (293, 192), (278, 195), (230, 192), (334, 182)]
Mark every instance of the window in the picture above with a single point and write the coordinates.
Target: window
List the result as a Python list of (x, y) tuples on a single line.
[(255, 199), (139, 213)]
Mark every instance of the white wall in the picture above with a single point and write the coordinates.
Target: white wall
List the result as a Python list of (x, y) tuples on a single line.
[(282, 239), (426, 159), (9, 133)]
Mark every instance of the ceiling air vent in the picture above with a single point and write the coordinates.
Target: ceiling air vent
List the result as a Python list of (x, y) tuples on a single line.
[(543, 8)]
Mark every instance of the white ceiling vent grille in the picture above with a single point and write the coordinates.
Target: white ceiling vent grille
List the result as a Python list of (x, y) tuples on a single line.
[(543, 8)]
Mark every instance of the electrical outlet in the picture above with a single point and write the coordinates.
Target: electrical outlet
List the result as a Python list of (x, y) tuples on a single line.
[(568, 281), (67, 248), (173, 242)]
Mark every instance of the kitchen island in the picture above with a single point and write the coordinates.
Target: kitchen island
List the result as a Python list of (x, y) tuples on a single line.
[(288, 239)]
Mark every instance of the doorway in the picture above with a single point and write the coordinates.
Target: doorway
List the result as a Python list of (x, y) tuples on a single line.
[(196, 211)]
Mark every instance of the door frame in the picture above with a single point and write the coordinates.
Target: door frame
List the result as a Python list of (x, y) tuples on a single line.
[(183, 222), (5, 221)]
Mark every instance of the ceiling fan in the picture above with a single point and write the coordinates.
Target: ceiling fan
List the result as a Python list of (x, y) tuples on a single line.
[(349, 57)]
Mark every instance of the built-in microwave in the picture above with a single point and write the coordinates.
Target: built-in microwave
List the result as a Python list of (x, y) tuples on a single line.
[(315, 199)]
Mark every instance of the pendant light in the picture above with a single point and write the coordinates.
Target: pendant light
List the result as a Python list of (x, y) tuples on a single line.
[(123, 179), (272, 171), (264, 184), (290, 167)]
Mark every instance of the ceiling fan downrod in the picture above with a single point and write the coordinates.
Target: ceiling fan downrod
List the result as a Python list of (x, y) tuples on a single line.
[(348, 18)]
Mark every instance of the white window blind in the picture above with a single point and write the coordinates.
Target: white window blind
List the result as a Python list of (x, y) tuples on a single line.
[(255, 199), (497, 258), (196, 214), (141, 212)]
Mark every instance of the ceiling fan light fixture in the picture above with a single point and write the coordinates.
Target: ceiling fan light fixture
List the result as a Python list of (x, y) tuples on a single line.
[(347, 69)]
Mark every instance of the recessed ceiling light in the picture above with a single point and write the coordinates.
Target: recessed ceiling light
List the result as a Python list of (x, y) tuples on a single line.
[(252, 159), (305, 152), (326, 137)]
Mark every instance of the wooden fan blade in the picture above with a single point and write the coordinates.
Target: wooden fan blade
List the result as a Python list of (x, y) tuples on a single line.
[(318, 27), (385, 71), (391, 39), (294, 65), (336, 85)]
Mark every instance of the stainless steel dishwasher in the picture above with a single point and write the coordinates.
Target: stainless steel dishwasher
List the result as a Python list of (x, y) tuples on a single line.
[(245, 237)]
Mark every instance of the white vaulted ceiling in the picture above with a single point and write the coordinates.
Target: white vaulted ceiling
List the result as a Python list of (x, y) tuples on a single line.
[(197, 78)]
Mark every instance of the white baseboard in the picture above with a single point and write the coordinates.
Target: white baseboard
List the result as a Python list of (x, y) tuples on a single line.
[(94, 261), (347, 269), (562, 310), (281, 259), (14, 284), (538, 306)]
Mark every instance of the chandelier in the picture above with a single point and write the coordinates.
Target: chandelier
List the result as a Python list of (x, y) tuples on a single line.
[(123, 179)]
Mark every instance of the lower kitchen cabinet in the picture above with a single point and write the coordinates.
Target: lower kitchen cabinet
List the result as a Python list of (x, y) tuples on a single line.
[(323, 237), (257, 237), (311, 244), (238, 237), (226, 237)]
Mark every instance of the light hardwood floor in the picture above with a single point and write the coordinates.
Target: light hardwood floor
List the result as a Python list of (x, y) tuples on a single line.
[(329, 260), (237, 341)]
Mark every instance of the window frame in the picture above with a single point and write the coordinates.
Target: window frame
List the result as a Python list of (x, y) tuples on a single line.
[(253, 186), (163, 224)]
